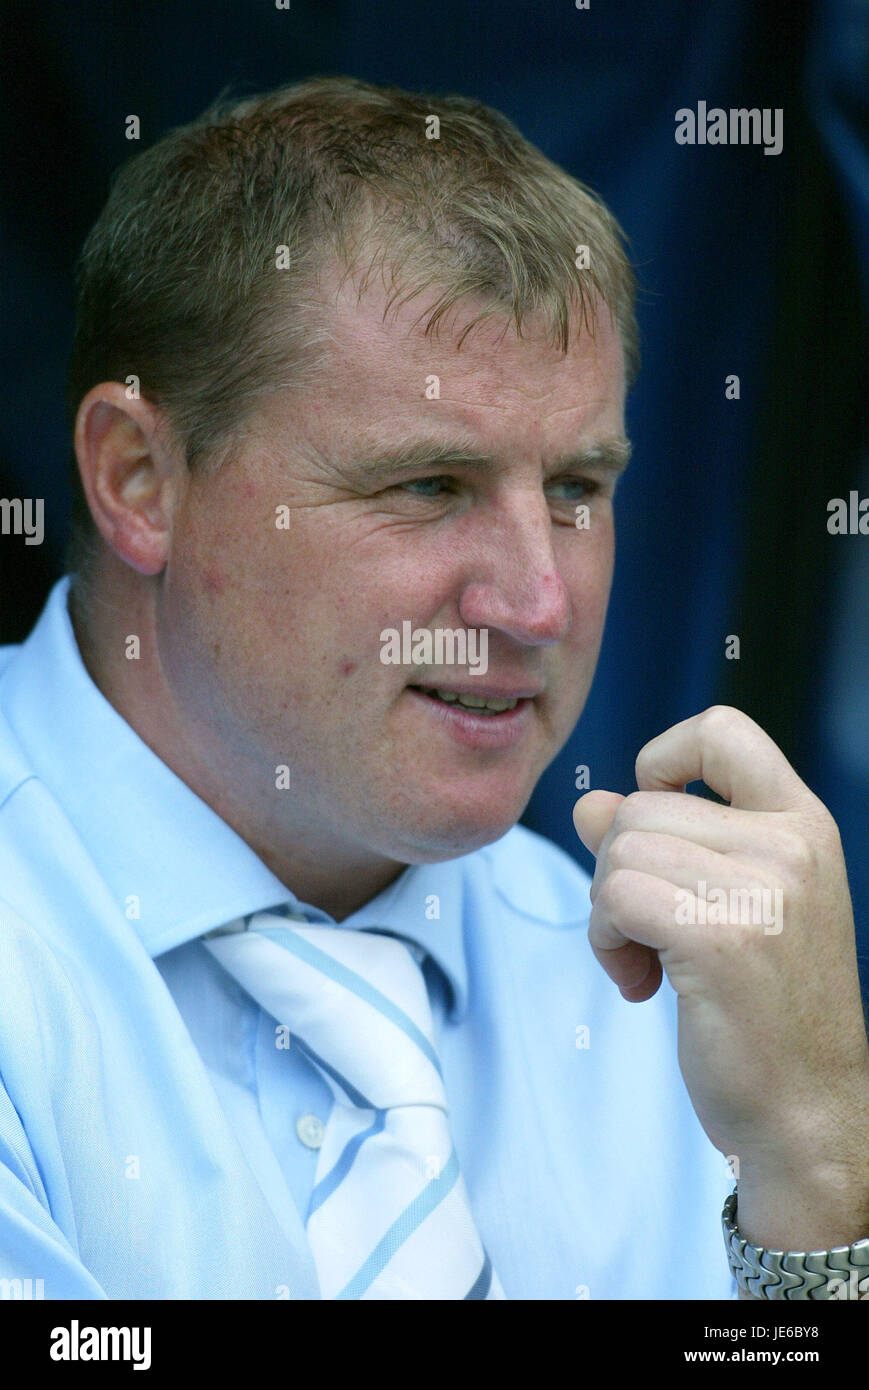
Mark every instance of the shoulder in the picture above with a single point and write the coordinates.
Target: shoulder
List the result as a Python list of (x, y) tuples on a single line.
[(535, 877), (49, 887)]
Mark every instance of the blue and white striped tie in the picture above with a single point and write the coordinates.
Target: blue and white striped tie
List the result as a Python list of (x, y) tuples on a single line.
[(389, 1216)]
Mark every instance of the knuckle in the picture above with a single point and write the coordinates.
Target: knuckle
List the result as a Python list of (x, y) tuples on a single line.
[(784, 845), (630, 811), (613, 896), (720, 718), (800, 860), (792, 855), (623, 848)]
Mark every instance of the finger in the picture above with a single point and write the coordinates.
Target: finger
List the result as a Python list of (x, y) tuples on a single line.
[(750, 834), (633, 967), (688, 819), (638, 994), (633, 906), (682, 862), (592, 816), (730, 753)]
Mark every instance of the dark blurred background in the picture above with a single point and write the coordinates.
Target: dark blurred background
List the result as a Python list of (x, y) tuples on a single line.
[(750, 264)]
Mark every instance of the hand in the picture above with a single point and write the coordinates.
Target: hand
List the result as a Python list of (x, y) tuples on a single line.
[(772, 1042)]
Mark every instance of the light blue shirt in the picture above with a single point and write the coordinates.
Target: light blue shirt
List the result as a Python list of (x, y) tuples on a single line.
[(148, 1121)]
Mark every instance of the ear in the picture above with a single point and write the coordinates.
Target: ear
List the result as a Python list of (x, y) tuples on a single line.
[(131, 475)]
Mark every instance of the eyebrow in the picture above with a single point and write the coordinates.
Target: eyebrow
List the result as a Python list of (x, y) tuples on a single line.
[(610, 455)]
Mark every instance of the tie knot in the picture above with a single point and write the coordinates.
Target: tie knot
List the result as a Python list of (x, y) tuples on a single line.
[(354, 1001)]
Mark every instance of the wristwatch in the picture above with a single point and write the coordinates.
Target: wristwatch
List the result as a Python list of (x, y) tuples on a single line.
[(842, 1272)]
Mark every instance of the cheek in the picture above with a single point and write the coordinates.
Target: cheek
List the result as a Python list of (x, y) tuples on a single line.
[(587, 571), (214, 580)]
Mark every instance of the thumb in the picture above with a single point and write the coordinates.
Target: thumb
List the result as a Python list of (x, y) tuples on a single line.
[(593, 815)]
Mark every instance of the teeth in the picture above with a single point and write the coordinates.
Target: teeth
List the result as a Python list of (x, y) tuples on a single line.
[(475, 702)]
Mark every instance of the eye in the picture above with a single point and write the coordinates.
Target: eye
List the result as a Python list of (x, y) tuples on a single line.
[(426, 487), (576, 489)]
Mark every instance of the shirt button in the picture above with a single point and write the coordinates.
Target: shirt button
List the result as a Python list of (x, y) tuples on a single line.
[(310, 1130)]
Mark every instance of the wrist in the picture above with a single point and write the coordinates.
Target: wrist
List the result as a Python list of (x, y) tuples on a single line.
[(812, 1193), (764, 1273)]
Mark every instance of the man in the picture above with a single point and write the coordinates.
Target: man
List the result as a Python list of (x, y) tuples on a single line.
[(291, 1006)]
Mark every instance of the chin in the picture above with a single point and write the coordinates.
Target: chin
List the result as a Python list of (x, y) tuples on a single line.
[(441, 853), (457, 832)]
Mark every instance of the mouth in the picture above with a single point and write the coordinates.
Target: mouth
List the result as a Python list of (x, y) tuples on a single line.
[(488, 718), (487, 706), (485, 699)]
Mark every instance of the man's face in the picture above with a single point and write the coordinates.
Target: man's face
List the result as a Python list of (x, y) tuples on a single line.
[(271, 637)]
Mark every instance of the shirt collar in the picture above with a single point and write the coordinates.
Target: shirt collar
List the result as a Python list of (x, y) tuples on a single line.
[(425, 905), (152, 838)]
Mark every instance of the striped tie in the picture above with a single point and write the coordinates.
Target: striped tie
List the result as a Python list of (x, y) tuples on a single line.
[(389, 1216)]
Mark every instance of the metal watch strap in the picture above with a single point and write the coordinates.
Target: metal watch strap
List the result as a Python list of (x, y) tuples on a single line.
[(795, 1274)]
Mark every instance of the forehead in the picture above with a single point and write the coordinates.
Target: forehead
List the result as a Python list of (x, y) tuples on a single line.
[(383, 375), (370, 330)]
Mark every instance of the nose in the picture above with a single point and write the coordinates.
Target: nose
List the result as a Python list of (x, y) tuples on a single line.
[(515, 586)]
